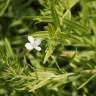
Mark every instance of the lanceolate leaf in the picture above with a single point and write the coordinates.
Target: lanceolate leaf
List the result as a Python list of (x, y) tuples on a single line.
[(55, 15), (75, 26), (51, 42)]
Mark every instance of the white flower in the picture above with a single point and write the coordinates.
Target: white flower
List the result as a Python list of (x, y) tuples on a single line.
[(33, 43)]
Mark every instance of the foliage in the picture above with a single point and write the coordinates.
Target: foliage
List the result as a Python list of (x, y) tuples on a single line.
[(66, 66)]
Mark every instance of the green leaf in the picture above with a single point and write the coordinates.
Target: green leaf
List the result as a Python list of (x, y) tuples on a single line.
[(51, 42), (49, 51), (55, 15), (76, 26), (82, 85), (8, 48), (41, 34), (70, 3), (4, 6)]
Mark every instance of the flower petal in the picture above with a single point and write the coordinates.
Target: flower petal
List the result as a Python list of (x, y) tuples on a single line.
[(37, 42), (38, 48), (31, 39), (28, 46)]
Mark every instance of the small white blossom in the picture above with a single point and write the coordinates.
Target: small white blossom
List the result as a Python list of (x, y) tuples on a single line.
[(33, 43)]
